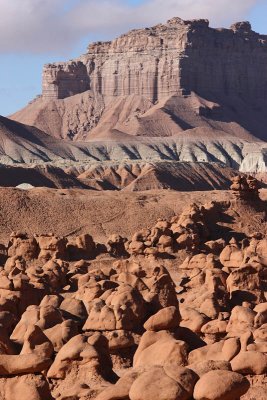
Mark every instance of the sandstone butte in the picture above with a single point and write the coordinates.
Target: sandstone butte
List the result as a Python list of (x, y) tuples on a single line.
[(180, 91), (167, 59), (181, 75)]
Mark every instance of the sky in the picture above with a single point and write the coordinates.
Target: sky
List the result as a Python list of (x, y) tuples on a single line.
[(35, 32)]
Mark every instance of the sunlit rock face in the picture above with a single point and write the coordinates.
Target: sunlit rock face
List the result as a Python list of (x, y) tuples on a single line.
[(173, 58), (64, 80)]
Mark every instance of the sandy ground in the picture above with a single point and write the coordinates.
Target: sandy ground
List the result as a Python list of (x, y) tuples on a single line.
[(74, 211)]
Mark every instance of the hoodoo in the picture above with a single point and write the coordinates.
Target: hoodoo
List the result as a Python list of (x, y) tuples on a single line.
[(245, 188)]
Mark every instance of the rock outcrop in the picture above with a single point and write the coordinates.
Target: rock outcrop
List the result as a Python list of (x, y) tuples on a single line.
[(168, 59), (64, 80), (159, 82), (245, 188), (174, 312)]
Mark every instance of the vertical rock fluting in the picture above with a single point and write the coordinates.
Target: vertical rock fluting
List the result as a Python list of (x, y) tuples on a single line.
[(226, 63), (64, 80), (176, 58), (139, 63)]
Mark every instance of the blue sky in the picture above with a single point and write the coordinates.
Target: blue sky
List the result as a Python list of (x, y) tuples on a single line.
[(35, 32)]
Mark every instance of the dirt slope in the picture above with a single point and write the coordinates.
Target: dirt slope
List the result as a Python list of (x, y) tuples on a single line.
[(27, 144), (86, 116), (158, 175), (37, 175), (67, 212)]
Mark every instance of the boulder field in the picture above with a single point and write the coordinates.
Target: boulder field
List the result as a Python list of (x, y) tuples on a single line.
[(175, 312)]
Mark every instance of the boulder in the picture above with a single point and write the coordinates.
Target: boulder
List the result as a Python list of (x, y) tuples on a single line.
[(249, 280), (82, 247), (82, 354), (60, 334), (160, 348), (116, 246), (166, 319), (20, 245), (52, 247), (250, 363), (224, 350), (241, 321), (157, 385), (123, 308), (220, 385), (120, 391), (34, 357), (25, 387), (192, 319), (232, 256)]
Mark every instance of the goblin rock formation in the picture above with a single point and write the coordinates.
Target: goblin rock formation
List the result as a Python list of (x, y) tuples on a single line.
[(245, 188), (175, 312)]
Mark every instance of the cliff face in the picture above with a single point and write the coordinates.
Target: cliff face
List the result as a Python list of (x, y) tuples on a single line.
[(176, 58), (64, 80), (158, 82), (226, 63)]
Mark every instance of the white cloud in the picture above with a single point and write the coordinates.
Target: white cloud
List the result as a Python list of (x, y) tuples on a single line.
[(38, 26), (33, 26)]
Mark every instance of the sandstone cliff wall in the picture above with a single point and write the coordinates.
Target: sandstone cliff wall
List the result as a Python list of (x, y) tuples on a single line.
[(61, 80), (226, 63), (178, 57)]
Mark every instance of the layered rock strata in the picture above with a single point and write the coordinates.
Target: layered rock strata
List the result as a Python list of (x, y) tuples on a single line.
[(64, 80), (173, 58)]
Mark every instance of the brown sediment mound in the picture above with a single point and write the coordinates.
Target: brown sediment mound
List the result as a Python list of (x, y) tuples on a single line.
[(29, 156), (26, 144), (38, 176), (177, 311), (140, 176), (198, 159)]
